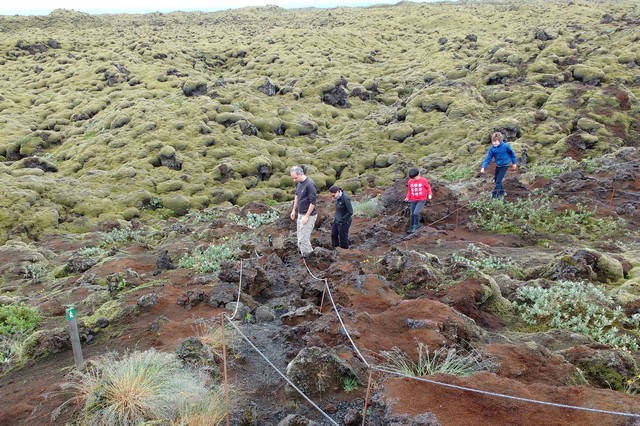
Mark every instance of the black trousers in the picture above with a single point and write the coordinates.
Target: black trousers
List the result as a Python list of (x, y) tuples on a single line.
[(340, 234)]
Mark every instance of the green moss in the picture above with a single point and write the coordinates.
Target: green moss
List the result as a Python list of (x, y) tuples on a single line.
[(600, 374), (112, 310), (588, 75), (400, 132), (169, 186), (589, 126), (178, 204)]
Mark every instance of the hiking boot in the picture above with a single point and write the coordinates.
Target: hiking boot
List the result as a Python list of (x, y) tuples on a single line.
[(413, 229)]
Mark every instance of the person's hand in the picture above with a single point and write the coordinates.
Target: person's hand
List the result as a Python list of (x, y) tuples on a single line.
[(429, 196), (406, 199), (293, 215), (515, 167), (305, 219), (482, 171)]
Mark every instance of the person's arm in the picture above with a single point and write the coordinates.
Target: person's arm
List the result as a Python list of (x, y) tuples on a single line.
[(348, 207), (313, 195), (514, 160), (305, 219), (406, 198), (295, 206), (487, 160), (427, 188)]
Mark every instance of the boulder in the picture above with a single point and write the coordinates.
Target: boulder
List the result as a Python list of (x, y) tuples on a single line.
[(222, 293), (190, 298), (191, 351), (79, 264), (603, 367), (317, 371), (268, 88), (586, 264), (297, 420), (238, 310), (338, 96), (167, 158), (147, 300), (264, 314)]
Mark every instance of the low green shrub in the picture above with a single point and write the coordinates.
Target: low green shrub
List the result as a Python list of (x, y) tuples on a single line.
[(577, 306), (18, 319), (443, 360), (17, 322), (472, 258), (120, 236), (34, 271), (255, 220), (452, 175), (209, 259), (550, 170), (535, 213), (204, 216), (367, 207), (349, 384), (96, 252)]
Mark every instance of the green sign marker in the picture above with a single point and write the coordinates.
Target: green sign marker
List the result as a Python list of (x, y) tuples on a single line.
[(71, 313)]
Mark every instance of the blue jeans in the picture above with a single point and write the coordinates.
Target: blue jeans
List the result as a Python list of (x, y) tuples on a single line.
[(498, 190), (415, 208)]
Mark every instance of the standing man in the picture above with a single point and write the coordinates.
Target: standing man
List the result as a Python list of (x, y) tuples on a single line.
[(304, 204), (342, 220), (504, 156)]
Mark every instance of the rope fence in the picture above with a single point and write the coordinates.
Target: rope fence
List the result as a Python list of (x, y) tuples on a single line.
[(382, 369), (255, 348)]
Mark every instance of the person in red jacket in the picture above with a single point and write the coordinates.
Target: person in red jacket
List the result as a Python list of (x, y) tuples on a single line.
[(418, 192)]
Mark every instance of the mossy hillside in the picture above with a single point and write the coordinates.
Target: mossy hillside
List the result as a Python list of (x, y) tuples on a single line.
[(101, 99)]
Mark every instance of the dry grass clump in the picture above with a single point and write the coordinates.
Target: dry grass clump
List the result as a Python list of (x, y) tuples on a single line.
[(141, 387)]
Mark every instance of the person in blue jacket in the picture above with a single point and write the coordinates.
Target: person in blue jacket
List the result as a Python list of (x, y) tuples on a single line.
[(504, 156)]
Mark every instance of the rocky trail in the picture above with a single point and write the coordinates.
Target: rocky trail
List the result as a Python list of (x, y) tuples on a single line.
[(391, 290)]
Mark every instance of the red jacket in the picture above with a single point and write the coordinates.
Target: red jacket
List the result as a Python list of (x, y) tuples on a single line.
[(418, 189)]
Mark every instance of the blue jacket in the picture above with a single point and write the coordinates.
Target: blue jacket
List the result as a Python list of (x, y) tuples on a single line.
[(503, 154)]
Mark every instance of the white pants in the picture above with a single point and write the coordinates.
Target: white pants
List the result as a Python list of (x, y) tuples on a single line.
[(304, 233)]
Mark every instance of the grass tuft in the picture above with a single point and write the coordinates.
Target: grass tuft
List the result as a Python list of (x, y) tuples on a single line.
[(443, 360), (142, 387)]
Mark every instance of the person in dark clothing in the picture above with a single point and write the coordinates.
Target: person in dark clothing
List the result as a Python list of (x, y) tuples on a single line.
[(504, 156), (342, 220), (304, 207)]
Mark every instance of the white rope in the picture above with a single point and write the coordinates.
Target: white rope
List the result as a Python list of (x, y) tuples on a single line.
[(384, 370), (335, 308), (239, 292), (346, 332), (517, 398), (279, 372)]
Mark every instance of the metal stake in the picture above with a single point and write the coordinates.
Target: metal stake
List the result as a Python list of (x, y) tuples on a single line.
[(75, 337)]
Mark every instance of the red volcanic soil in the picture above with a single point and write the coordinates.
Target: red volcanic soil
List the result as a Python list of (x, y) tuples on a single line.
[(373, 312)]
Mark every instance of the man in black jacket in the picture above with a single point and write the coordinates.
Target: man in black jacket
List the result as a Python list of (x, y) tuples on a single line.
[(342, 221)]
